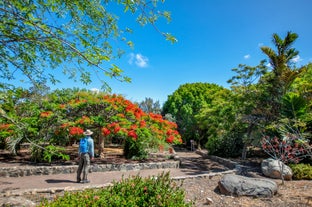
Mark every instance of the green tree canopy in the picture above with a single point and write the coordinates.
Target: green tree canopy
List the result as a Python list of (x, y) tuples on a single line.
[(264, 99), (74, 37), (187, 101)]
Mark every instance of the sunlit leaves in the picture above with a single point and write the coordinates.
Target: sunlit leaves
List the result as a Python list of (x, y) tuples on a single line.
[(170, 38), (186, 103), (39, 35)]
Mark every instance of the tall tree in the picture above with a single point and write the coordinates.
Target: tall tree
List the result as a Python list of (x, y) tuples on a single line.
[(260, 101), (75, 36), (245, 100), (186, 102), (283, 72), (149, 106)]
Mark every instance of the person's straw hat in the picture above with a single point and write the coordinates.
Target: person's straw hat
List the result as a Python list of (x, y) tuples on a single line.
[(88, 132)]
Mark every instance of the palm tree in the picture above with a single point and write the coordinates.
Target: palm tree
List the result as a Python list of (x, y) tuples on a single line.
[(283, 71)]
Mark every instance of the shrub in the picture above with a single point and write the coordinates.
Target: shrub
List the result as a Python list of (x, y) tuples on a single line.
[(301, 171), (134, 191), (289, 149), (227, 146), (134, 149), (47, 153), (52, 152)]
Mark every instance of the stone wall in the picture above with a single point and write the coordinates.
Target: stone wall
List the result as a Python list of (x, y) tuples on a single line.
[(49, 170)]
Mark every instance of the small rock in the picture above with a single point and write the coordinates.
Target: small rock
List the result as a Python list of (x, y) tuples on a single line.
[(209, 201), (273, 168)]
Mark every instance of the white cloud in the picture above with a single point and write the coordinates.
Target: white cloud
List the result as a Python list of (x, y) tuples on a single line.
[(246, 56), (138, 59), (95, 90), (296, 59)]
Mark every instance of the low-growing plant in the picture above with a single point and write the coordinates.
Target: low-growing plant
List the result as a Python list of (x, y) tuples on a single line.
[(131, 192), (301, 171), (52, 152), (48, 153)]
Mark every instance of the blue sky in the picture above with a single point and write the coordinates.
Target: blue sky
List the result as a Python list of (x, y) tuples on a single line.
[(214, 36)]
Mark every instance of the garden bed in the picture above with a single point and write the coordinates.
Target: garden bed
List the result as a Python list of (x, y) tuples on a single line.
[(113, 154)]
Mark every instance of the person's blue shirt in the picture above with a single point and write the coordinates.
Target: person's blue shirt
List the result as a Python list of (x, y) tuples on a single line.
[(90, 146)]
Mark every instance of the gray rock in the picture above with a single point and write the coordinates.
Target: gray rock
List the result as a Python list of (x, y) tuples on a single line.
[(273, 168), (237, 185)]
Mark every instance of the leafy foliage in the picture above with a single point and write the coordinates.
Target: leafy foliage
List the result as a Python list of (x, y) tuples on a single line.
[(52, 152), (219, 124), (294, 106), (136, 191), (53, 122), (38, 37), (301, 171), (186, 102), (278, 82)]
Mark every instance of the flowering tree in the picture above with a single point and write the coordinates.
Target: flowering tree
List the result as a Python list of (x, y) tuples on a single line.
[(111, 117), (290, 149)]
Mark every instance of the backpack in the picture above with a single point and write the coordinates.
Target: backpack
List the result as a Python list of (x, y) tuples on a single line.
[(83, 145)]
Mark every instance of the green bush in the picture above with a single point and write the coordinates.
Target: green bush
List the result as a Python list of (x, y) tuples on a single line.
[(52, 152), (48, 153), (134, 149), (227, 146), (301, 171), (131, 192)]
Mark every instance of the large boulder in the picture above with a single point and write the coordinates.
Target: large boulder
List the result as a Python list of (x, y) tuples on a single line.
[(237, 185), (273, 169)]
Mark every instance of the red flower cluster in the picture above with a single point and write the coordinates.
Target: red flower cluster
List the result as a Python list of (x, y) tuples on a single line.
[(84, 120), (124, 119), (170, 139), (65, 125), (5, 126), (75, 131), (45, 114), (142, 124), (105, 131), (133, 134)]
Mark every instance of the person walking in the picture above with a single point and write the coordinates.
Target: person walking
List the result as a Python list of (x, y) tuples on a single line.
[(86, 154)]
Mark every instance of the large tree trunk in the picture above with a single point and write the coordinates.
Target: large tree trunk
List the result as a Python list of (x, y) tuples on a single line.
[(247, 142), (244, 152), (101, 145)]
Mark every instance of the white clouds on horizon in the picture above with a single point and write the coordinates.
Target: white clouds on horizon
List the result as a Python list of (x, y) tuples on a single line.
[(95, 90), (246, 56), (138, 59)]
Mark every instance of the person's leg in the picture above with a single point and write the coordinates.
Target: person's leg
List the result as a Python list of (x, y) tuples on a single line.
[(79, 170), (86, 167)]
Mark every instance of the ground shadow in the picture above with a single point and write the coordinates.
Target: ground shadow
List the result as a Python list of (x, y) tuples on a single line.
[(200, 165), (59, 181)]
